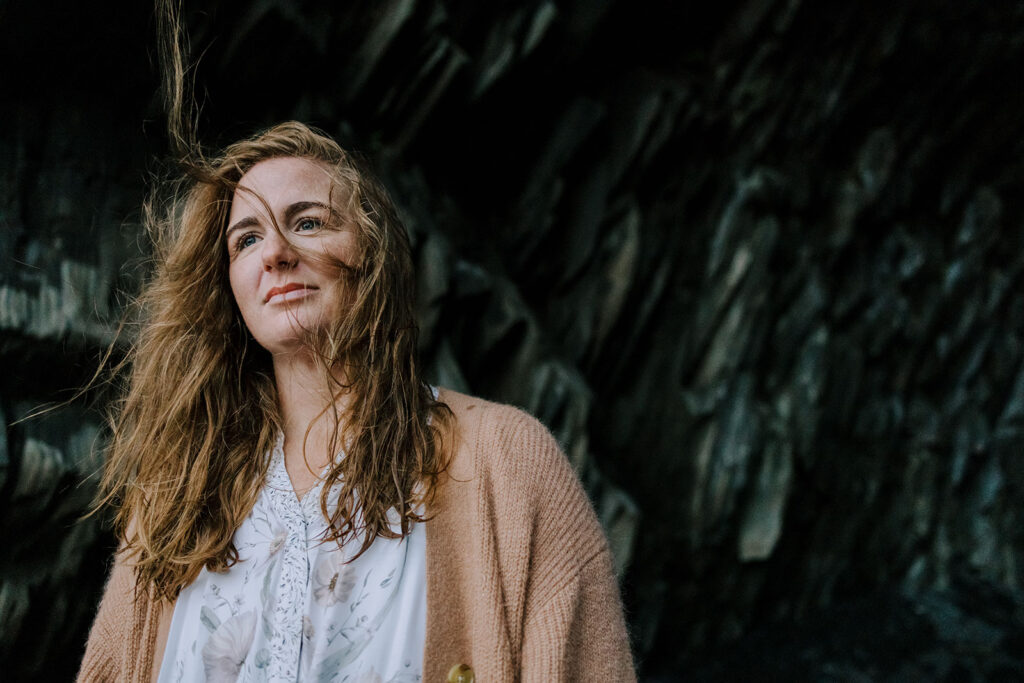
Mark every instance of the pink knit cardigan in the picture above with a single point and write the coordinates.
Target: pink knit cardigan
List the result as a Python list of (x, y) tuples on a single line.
[(519, 575)]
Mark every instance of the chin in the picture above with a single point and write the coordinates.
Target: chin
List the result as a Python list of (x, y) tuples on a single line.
[(286, 339)]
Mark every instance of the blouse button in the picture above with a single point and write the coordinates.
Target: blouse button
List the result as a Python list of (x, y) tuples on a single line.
[(461, 673)]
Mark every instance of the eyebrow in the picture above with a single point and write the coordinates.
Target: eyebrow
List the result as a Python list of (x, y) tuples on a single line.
[(289, 213)]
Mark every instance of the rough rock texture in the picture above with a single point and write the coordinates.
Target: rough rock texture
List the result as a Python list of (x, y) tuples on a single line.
[(755, 263)]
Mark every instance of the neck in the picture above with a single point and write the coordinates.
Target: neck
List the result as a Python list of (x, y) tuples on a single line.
[(305, 402)]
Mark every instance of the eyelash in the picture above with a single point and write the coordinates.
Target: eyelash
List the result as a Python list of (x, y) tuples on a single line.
[(317, 224), (240, 242)]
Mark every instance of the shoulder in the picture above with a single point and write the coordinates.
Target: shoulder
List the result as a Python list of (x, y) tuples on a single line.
[(513, 467), (503, 441)]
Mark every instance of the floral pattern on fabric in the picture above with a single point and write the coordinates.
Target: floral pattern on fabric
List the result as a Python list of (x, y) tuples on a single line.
[(293, 609)]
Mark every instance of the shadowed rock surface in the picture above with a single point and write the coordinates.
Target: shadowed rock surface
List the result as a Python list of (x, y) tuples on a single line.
[(756, 264)]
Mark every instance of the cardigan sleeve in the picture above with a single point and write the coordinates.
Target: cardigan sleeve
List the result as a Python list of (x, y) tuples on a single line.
[(573, 624), (579, 634), (111, 628), (123, 636)]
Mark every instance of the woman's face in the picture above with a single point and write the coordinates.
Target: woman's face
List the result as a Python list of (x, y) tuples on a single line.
[(280, 292)]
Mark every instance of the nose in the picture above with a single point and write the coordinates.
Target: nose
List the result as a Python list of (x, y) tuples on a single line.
[(278, 253)]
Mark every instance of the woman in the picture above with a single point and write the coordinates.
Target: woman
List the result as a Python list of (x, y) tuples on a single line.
[(292, 501)]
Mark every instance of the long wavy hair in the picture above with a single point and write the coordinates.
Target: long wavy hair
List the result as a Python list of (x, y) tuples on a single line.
[(198, 412)]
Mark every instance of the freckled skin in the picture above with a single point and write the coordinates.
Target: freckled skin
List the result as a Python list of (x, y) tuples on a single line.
[(262, 262)]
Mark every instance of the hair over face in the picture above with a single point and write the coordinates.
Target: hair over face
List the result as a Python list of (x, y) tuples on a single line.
[(198, 410)]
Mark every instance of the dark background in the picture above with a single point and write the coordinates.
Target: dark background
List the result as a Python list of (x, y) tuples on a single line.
[(757, 265)]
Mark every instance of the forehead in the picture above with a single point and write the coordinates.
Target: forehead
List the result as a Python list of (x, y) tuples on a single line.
[(280, 182)]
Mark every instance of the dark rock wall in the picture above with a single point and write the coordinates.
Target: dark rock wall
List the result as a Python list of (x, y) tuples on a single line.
[(75, 85), (756, 265)]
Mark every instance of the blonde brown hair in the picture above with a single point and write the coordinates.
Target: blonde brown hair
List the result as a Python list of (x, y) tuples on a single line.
[(198, 412)]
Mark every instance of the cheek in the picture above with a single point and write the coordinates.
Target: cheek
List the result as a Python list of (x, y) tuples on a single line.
[(241, 287), (343, 246)]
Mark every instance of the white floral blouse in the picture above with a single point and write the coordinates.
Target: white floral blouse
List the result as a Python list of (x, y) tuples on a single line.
[(292, 610)]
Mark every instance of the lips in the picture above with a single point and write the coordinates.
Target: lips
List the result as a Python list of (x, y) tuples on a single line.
[(286, 289)]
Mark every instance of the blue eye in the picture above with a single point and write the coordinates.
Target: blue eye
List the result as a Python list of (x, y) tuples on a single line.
[(308, 224), (247, 241)]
